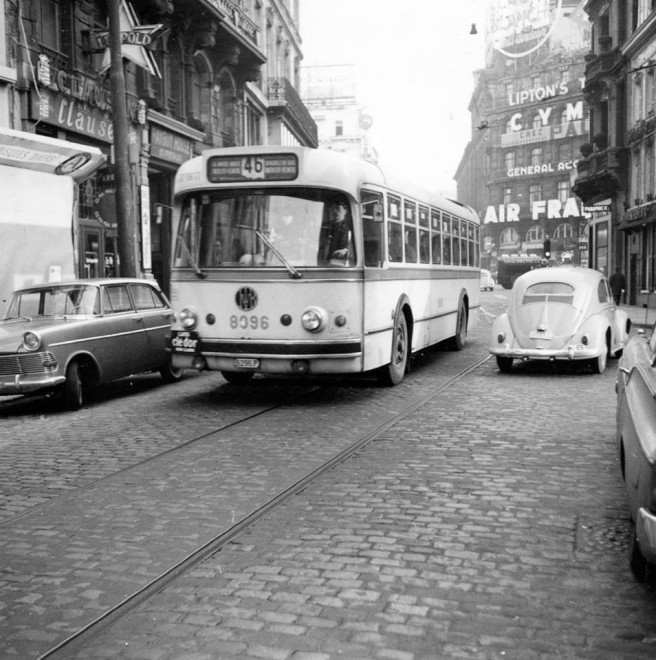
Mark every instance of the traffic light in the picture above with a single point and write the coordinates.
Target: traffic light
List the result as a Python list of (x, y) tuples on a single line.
[(546, 247)]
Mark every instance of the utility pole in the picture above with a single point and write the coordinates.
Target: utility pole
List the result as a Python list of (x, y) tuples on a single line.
[(125, 209)]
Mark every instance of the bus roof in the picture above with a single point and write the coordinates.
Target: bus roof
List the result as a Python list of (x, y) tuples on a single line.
[(320, 168)]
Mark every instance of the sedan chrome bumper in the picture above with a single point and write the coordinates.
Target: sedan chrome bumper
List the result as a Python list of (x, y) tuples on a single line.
[(26, 384), (646, 534)]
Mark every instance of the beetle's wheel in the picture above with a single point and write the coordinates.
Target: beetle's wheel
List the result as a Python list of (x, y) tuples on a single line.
[(504, 364)]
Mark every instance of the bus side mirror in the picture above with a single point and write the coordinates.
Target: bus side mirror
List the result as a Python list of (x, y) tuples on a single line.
[(373, 210)]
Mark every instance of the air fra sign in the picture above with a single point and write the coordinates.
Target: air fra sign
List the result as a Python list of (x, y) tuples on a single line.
[(544, 208)]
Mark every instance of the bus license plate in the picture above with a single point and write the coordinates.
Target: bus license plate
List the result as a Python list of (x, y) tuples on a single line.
[(246, 363)]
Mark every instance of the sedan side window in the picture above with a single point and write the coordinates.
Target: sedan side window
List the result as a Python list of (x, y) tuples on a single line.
[(145, 297), (116, 300)]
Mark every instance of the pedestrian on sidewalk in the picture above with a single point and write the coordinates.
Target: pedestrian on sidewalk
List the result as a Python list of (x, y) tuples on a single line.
[(617, 283)]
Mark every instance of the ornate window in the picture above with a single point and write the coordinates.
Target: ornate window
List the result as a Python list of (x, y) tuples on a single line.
[(535, 233), (564, 230)]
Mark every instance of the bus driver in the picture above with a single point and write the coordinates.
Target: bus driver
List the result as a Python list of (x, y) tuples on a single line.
[(337, 236)]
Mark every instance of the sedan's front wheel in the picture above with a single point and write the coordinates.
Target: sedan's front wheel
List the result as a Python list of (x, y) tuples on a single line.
[(72, 389)]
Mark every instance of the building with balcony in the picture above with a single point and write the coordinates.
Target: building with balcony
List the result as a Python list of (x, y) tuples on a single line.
[(618, 170), (528, 120), (329, 92), (212, 73)]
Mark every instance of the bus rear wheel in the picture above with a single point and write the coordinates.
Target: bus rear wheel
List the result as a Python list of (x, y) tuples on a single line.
[(392, 374), (459, 340)]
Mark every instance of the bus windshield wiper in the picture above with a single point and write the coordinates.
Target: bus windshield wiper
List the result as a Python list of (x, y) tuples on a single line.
[(292, 271), (190, 258)]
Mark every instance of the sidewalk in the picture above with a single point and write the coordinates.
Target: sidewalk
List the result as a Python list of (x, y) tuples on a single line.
[(640, 316)]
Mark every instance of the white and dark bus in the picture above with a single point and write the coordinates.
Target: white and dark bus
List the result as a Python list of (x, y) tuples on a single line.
[(304, 261)]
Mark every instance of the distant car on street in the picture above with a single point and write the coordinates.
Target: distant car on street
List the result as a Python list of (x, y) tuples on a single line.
[(560, 314), (636, 442), (69, 337), (487, 283)]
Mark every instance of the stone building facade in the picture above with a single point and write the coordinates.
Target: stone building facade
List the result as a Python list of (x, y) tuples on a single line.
[(210, 73)]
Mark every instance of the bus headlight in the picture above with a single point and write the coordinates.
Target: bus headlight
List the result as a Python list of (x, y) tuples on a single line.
[(188, 318), (31, 341), (314, 319)]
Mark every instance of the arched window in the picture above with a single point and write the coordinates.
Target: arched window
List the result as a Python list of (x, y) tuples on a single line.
[(536, 156), (564, 230), (537, 121), (227, 98), (200, 91), (509, 238), (175, 80), (535, 233)]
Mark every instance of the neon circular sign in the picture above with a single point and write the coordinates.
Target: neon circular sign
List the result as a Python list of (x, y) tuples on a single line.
[(519, 27)]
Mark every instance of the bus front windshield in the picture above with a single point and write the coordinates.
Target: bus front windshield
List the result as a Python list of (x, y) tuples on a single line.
[(265, 228)]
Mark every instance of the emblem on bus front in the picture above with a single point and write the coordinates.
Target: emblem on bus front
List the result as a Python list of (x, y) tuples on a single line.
[(246, 298)]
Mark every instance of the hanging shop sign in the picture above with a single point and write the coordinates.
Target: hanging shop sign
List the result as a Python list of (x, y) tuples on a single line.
[(134, 39)]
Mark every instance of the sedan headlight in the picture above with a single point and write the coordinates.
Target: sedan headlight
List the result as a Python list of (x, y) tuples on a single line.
[(31, 341), (188, 318), (314, 319)]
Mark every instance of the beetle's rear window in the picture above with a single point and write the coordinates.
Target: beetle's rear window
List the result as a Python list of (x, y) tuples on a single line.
[(557, 292)]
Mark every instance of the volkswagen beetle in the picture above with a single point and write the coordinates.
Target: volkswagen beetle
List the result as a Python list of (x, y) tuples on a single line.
[(560, 314), (636, 442), (67, 337)]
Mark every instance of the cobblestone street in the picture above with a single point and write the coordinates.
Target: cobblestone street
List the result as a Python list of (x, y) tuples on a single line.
[(488, 522)]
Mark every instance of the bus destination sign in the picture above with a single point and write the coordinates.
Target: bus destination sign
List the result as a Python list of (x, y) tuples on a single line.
[(259, 167)]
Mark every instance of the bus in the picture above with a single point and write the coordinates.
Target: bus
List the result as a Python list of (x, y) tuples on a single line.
[(291, 260)]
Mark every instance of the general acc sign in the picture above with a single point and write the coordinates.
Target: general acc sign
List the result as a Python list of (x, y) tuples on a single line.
[(544, 208)]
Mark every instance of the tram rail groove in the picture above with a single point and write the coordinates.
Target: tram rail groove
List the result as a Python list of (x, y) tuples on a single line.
[(76, 642), (81, 489)]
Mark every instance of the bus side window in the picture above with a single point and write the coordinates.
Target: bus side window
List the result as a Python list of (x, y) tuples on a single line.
[(394, 229), (424, 236), (372, 230), (436, 237)]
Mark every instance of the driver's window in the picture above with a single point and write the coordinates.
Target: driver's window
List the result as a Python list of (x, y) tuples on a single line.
[(371, 203)]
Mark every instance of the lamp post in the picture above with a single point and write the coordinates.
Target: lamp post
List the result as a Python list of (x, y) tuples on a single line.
[(125, 208)]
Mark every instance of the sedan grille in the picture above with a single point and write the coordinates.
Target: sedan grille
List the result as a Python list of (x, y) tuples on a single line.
[(26, 363)]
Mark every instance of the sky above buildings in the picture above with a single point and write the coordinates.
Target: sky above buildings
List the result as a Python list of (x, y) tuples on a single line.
[(414, 63)]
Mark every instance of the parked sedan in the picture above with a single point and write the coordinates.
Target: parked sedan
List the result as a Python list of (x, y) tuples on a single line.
[(636, 441), (565, 313), (69, 337)]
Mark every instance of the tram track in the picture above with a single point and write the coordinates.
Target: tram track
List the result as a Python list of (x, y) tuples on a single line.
[(84, 635)]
